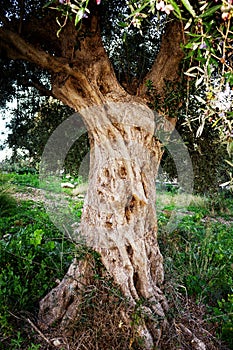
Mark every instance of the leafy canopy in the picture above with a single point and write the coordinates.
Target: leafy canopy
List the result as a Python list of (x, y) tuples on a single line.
[(208, 49), (208, 46)]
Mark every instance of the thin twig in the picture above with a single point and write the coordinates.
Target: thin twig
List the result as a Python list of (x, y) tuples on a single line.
[(18, 318), (38, 331)]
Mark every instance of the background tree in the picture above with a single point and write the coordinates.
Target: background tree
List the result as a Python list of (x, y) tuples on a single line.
[(118, 219), (33, 121), (207, 149)]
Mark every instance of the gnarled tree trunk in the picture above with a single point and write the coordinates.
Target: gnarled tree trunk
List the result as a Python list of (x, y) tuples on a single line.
[(119, 217)]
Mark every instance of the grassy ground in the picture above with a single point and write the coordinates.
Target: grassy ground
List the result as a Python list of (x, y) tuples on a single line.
[(34, 254)]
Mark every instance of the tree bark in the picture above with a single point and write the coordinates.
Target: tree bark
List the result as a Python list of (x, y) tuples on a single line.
[(119, 216), (166, 65)]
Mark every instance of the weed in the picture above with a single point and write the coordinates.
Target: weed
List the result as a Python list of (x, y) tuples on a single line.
[(16, 342), (33, 254), (224, 315), (220, 205), (7, 202), (26, 179), (34, 347), (199, 258)]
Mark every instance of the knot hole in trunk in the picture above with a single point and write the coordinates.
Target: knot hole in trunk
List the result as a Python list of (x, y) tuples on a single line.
[(132, 207)]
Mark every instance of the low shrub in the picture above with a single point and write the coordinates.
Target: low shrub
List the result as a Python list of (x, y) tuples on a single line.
[(33, 255)]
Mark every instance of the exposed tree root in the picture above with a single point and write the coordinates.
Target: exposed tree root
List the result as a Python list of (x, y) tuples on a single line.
[(61, 304), (86, 309)]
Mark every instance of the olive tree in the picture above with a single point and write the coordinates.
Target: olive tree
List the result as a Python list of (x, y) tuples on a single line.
[(65, 39)]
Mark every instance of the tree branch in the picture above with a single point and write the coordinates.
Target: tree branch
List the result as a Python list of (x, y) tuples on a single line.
[(87, 71), (40, 87), (17, 48), (166, 65)]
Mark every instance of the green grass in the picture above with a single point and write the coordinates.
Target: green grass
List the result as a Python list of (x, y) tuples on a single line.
[(34, 180), (199, 256), (7, 202), (33, 254), (29, 179)]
